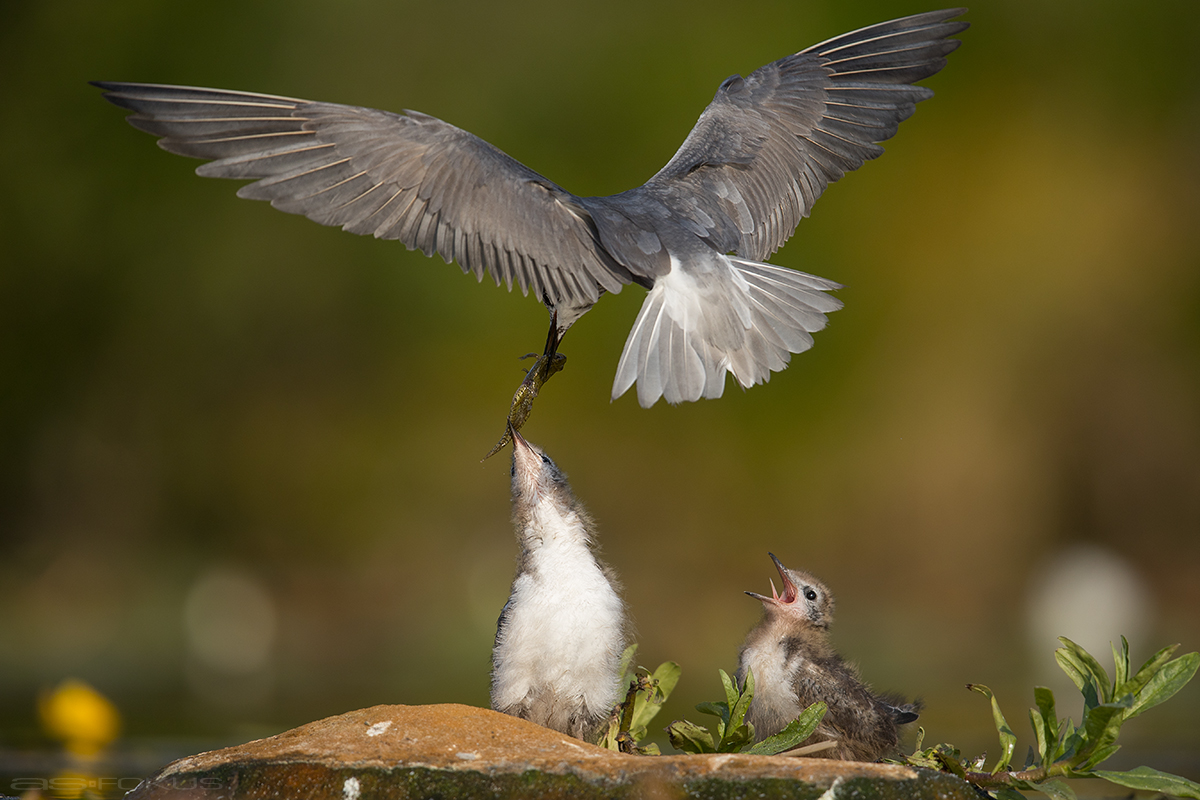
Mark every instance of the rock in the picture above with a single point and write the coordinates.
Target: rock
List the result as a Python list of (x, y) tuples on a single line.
[(455, 751)]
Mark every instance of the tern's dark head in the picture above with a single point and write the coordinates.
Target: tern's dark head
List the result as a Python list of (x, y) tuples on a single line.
[(804, 599)]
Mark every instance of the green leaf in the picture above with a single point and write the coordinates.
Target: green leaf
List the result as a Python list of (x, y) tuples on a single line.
[(1099, 729), (1008, 739), (1147, 671), (738, 709), (627, 663), (922, 758), (667, 676), (925, 759), (731, 690), (649, 703), (1091, 697), (690, 737), (1069, 666), (608, 735), (1056, 789), (1099, 755), (717, 709), (1048, 737), (794, 734), (949, 759), (610, 732), (736, 738), (1164, 683), (1101, 725), (643, 700), (1089, 666), (1120, 666), (1039, 733), (1152, 780), (639, 709), (1070, 738)]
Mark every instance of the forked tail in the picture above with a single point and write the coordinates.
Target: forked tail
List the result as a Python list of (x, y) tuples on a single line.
[(727, 315)]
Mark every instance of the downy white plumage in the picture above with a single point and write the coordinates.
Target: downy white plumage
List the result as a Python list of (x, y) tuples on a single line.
[(559, 640)]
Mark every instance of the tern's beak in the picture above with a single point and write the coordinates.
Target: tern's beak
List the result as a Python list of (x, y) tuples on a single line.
[(763, 598), (518, 439), (789, 588), (527, 465)]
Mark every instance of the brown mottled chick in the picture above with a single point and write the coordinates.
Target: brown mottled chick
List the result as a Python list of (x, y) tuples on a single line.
[(794, 666)]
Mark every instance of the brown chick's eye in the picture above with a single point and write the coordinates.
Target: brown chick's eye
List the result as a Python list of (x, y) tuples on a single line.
[(810, 594)]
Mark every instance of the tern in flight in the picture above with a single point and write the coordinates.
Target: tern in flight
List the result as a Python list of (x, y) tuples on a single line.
[(696, 235)]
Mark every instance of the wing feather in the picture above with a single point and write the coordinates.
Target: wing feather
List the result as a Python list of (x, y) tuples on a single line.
[(781, 135), (408, 176)]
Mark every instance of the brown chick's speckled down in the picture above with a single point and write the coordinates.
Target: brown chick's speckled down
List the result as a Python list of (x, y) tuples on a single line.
[(794, 666)]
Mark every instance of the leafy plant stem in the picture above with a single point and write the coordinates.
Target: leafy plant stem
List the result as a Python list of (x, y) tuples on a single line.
[(1065, 750), (998, 780)]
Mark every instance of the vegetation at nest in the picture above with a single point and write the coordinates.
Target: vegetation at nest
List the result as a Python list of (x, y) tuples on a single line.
[(1064, 750), (647, 692), (732, 733)]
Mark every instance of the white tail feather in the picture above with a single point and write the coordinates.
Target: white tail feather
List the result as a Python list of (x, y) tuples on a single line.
[(728, 314)]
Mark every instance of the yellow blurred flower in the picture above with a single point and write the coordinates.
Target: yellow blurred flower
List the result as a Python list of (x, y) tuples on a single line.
[(85, 720)]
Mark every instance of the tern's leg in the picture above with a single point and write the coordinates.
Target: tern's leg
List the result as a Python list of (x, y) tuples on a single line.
[(552, 337)]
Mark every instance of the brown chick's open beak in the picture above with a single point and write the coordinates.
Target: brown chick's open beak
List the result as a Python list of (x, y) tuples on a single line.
[(789, 588)]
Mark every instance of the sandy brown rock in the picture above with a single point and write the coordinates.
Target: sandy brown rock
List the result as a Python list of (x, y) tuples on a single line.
[(459, 751)]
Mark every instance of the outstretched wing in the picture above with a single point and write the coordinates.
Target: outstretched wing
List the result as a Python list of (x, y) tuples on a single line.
[(409, 177), (767, 146)]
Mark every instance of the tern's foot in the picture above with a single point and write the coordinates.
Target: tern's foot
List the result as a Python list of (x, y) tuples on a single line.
[(542, 370)]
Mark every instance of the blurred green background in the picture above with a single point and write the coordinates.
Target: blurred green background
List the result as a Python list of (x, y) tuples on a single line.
[(240, 485)]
